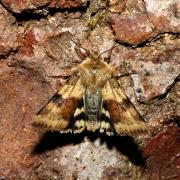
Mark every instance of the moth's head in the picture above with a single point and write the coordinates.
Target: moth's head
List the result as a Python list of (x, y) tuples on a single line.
[(92, 56), (95, 56)]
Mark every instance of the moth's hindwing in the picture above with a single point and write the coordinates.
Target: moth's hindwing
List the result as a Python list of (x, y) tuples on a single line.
[(80, 122), (57, 114), (123, 115), (90, 114)]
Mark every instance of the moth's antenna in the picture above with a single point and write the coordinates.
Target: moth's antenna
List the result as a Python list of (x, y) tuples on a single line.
[(78, 44), (114, 46)]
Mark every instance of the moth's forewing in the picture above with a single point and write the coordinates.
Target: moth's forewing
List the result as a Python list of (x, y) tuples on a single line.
[(125, 118), (57, 114)]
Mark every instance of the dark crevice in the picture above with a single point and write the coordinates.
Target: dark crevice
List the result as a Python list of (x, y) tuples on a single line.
[(11, 52), (25, 15), (36, 14), (82, 9), (28, 15)]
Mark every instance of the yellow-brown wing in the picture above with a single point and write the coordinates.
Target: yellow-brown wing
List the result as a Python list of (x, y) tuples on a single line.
[(123, 115), (57, 114)]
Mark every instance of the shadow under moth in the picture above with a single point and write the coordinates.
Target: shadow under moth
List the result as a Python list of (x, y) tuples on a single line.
[(92, 100)]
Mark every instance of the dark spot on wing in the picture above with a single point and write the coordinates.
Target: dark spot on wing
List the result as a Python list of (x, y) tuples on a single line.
[(57, 99), (126, 103)]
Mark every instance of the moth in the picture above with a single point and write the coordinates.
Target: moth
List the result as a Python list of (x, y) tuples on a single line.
[(91, 100)]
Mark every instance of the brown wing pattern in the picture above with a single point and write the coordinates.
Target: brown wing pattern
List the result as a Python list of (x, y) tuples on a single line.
[(125, 118), (57, 114)]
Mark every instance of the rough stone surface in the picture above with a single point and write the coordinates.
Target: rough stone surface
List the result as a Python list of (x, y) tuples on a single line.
[(163, 155), (36, 49), (8, 32), (25, 5), (116, 6), (133, 27), (143, 20), (164, 14), (20, 95), (157, 71), (157, 66)]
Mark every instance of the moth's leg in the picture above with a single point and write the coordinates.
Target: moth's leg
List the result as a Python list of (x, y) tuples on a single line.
[(108, 58), (82, 54), (78, 48), (119, 72), (124, 74), (66, 72)]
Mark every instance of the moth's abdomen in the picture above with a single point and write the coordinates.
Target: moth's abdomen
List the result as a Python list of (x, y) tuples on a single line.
[(93, 104)]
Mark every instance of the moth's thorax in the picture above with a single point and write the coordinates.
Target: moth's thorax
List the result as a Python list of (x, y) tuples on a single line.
[(94, 73)]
